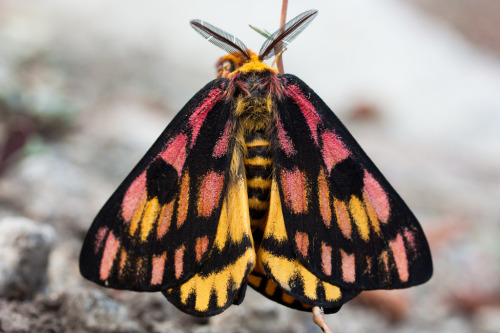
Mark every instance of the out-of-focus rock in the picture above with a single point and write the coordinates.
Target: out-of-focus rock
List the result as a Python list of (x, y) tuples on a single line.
[(365, 112), (24, 249), (38, 315), (74, 311), (487, 319), (258, 314), (93, 311), (392, 304), (476, 20), (155, 313), (11, 321), (63, 272), (168, 327)]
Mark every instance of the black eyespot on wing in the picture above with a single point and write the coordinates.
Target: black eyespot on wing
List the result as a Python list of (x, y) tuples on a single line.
[(161, 181), (346, 180)]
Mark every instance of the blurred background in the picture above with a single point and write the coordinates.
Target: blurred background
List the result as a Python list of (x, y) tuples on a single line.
[(87, 86)]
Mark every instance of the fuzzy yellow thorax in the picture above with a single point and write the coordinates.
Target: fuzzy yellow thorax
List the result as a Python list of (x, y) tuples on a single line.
[(254, 65)]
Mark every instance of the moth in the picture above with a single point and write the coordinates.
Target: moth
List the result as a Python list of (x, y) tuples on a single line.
[(255, 182)]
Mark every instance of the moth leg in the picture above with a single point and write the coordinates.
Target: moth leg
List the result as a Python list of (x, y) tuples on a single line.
[(319, 320)]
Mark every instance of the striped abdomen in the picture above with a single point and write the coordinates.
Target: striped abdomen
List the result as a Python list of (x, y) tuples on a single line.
[(258, 168)]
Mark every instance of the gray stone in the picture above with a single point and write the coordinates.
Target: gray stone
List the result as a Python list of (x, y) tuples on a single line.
[(168, 327), (24, 249), (487, 319), (11, 321), (63, 273), (94, 311), (259, 314)]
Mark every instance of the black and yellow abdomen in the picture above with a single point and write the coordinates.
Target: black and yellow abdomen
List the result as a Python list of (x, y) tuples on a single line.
[(258, 168), (254, 123)]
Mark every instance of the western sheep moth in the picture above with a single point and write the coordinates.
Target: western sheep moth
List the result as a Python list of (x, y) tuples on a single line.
[(255, 181)]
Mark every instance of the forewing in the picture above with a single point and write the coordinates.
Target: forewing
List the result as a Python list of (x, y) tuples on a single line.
[(158, 227), (347, 224), (223, 277)]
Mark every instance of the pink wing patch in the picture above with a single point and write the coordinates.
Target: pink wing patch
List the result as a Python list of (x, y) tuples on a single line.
[(179, 261), (326, 259), (307, 109), (133, 196), (410, 240), (198, 117), (334, 150), (302, 242), (175, 153), (295, 190), (343, 220), (209, 194), (108, 256), (348, 267), (377, 196), (183, 202), (165, 219), (158, 263), (201, 247), (223, 143), (99, 238), (324, 199), (284, 140), (399, 252)]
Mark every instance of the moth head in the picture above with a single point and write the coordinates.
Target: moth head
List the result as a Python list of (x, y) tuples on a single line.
[(229, 63), (239, 55)]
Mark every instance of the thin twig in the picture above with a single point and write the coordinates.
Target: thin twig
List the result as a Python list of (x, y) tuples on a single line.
[(279, 60), (264, 32), (319, 320)]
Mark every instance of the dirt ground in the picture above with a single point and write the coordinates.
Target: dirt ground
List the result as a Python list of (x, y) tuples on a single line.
[(85, 88)]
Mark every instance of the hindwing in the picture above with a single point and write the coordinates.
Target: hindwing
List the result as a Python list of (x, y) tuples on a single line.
[(223, 277), (279, 266), (270, 289)]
